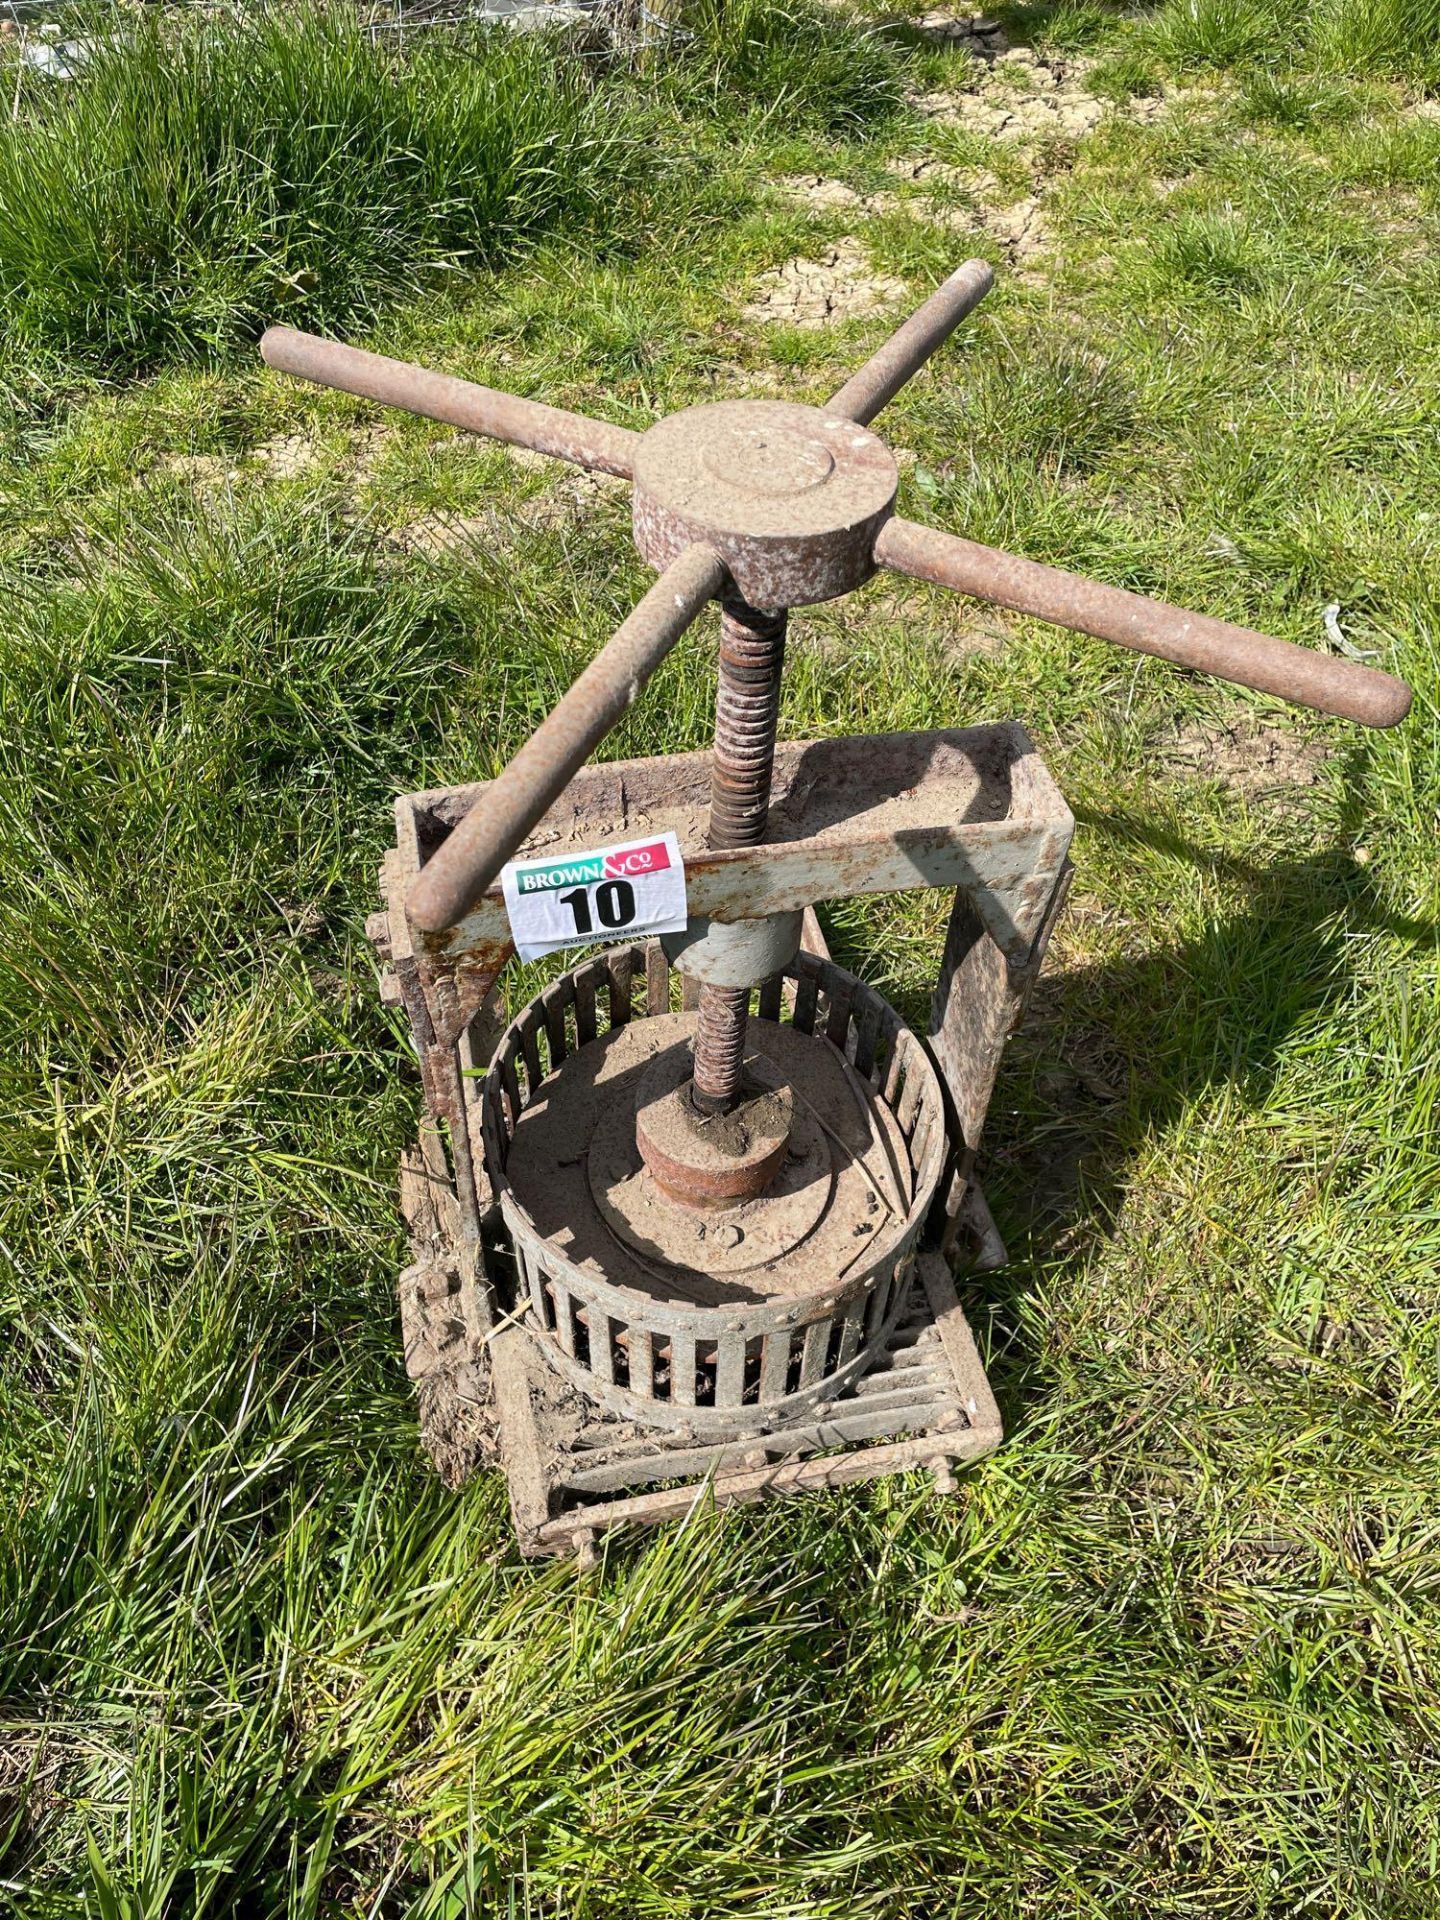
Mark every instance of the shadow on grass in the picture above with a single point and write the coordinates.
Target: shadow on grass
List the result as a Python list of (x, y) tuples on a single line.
[(1118, 1052)]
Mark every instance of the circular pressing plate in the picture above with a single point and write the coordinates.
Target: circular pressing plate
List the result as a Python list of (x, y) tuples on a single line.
[(789, 497), (749, 1233)]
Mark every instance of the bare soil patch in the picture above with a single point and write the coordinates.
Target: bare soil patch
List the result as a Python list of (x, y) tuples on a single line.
[(977, 33), (1022, 98), (840, 284), (1019, 226), (1253, 761), (286, 456)]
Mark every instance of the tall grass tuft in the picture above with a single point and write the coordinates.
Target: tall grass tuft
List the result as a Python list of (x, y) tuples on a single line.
[(1394, 37), (794, 61), (1380, 36), (208, 175)]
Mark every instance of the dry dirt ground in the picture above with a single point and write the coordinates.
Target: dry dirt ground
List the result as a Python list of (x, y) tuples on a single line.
[(1040, 105)]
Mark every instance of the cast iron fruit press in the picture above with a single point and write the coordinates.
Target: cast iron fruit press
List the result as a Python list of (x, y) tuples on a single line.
[(692, 1214)]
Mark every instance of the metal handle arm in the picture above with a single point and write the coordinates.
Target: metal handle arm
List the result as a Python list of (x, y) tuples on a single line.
[(459, 403), (451, 883), (911, 345), (1149, 626)]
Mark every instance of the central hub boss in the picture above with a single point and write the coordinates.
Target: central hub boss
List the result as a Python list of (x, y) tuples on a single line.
[(790, 498)]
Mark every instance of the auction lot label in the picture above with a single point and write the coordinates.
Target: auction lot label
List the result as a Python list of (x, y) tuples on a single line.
[(612, 893)]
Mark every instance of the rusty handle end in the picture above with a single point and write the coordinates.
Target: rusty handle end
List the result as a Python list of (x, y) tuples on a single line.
[(458, 403), (467, 863), (876, 383), (1193, 640), (274, 342)]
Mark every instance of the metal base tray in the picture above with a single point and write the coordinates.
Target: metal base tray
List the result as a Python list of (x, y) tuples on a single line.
[(576, 1471)]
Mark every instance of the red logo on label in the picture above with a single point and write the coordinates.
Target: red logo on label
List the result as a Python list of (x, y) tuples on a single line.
[(654, 858)]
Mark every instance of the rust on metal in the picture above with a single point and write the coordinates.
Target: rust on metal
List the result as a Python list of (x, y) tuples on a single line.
[(574, 1468), (708, 1221), (470, 859), (925, 1397), (720, 1046), (747, 1346), (458, 403), (972, 807), (710, 1160), (747, 711), (790, 497), (797, 504), (911, 345), (1148, 626)]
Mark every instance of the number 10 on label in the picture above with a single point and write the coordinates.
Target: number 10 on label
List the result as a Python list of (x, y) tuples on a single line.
[(610, 893)]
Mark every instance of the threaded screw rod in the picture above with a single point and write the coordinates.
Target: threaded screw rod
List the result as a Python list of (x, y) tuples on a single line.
[(747, 709), (720, 1047)]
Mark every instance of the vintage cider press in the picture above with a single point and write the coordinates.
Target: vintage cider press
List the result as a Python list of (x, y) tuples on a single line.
[(685, 1223)]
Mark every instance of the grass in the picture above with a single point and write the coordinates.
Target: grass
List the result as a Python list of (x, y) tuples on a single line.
[(204, 178), (1397, 37), (1174, 1648), (214, 173)]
